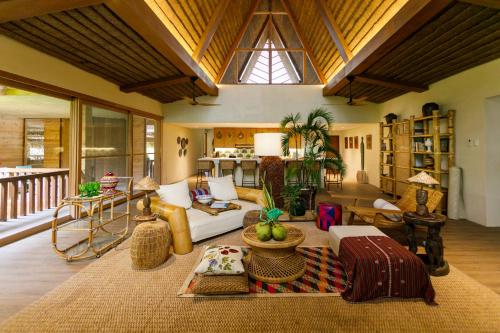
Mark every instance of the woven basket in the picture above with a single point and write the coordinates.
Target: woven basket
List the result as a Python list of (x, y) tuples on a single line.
[(251, 218), (150, 245)]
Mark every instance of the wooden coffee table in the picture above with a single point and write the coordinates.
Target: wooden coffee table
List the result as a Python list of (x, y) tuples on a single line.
[(274, 261)]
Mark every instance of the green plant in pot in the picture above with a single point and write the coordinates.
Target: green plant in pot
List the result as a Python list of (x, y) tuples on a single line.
[(269, 227), (294, 203), (90, 189), (317, 151)]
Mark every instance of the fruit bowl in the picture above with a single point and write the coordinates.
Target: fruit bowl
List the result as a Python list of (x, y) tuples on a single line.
[(204, 198)]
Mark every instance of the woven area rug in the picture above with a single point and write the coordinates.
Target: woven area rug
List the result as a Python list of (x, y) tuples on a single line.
[(109, 296), (324, 276)]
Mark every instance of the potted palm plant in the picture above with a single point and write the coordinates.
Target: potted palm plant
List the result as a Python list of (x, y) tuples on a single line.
[(315, 133)]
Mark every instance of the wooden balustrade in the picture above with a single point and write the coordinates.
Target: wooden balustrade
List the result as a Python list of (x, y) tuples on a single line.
[(27, 191)]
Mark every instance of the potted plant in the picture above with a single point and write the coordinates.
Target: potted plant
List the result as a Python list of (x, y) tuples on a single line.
[(315, 133), (90, 189), (294, 203)]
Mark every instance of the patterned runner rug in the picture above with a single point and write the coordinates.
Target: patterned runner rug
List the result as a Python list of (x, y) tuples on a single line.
[(324, 276)]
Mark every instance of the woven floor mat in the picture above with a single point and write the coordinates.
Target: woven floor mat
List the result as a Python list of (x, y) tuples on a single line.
[(109, 296)]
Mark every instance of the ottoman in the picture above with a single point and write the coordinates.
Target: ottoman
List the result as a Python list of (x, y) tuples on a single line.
[(336, 233), (150, 244), (328, 214), (251, 218)]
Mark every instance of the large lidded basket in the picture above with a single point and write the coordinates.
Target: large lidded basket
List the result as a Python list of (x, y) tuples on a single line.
[(109, 182)]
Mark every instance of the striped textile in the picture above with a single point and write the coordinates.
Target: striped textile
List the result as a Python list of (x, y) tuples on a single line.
[(324, 274), (196, 192), (380, 267)]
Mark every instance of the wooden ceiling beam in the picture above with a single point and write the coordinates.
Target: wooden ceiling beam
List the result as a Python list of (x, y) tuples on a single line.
[(410, 18), (390, 83), (141, 18), (295, 25), (237, 40), (156, 83), (210, 30), (14, 10), (334, 30), (495, 4)]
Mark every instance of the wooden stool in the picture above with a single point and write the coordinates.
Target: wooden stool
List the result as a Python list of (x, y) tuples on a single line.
[(332, 176), (150, 244), (226, 166), (204, 170), (249, 168)]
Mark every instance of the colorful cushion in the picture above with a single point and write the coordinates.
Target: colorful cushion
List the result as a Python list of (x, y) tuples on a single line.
[(328, 214), (198, 191), (221, 260)]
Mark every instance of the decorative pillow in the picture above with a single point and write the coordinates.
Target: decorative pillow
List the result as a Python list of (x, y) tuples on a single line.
[(221, 260), (196, 192), (219, 285), (382, 204), (222, 188), (176, 194)]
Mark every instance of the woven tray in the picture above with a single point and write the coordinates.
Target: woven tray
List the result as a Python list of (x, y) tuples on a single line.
[(215, 211)]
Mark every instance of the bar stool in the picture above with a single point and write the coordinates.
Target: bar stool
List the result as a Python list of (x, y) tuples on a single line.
[(293, 165), (227, 167), (204, 170), (332, 176), (249, 168)]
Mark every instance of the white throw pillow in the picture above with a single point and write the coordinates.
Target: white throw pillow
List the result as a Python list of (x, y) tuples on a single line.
[(383, 204), (221, 260), (222, 188), (176, 194)]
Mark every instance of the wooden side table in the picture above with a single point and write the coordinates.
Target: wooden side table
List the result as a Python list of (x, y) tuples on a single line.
[(274, 261), (433, 244)]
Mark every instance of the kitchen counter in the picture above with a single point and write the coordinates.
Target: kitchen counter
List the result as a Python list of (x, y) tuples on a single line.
[(238, 173)]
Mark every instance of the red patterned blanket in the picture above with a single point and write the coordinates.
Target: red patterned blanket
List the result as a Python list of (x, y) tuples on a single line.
[(380, 267)]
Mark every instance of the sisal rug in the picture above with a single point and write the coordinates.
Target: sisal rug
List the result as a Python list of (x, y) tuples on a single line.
[(324, 276), (109, 296)]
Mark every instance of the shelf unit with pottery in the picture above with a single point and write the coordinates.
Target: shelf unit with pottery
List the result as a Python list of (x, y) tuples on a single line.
[(387, 174), (426, 155)]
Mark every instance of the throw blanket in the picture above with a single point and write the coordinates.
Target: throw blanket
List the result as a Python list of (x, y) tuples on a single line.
[(380, 267)]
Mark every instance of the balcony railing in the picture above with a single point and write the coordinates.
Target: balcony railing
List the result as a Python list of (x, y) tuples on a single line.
[(27, 191)]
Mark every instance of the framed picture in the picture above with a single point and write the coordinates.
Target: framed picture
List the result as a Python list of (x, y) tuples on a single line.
[(346, 143), (369, 141), (356, 142), (351, 145)]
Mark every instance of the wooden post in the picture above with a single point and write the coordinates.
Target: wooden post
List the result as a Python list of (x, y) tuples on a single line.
[(3, 201), (14, 193), (31, 189), (22, 194)]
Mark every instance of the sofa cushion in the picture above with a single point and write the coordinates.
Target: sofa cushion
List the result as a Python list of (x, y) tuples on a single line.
[(176, 194), (198, 191), (221, 260), (203, 225), (383, 204), (222, 188)]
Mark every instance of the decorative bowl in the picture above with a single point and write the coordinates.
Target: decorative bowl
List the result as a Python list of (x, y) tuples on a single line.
[(204, 198), (109, 182)]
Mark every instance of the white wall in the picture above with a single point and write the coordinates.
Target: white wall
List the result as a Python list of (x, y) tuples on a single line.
[(22, 60), (175, 168), (352, 157), (466, 93), (492, 121), (266, 104)]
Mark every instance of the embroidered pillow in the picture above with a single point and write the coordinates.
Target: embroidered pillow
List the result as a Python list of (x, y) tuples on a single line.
[(176, 194), (196, 192), (221, 260), (382, 204), (222, 188)]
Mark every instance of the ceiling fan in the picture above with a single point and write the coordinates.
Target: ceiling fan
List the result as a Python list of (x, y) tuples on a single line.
[(192, 100), (352, 101)]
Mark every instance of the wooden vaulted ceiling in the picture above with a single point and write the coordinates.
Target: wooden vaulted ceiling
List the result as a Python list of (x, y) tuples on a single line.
[(385, 47)]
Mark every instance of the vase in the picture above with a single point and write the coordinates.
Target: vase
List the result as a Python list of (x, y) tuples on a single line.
[(299, 208), (109, 182), (389, 118), (427, 109)]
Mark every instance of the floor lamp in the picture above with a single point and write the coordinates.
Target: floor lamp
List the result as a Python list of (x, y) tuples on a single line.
[(268, 146)]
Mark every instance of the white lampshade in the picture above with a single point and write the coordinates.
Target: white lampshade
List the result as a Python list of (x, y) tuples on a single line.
[(267, 144)]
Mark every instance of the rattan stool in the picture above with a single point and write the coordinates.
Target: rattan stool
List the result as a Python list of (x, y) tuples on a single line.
[(150, 244), (204, 171), (249, 168), (251, 217), (227, 168)]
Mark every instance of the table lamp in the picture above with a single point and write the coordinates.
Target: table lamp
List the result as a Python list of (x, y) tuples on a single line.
[(268, 146), (146, 184), (423, 179)]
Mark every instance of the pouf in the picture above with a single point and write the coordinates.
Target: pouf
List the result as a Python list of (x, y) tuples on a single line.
[(251, 217), (150, 244), (328, 214)]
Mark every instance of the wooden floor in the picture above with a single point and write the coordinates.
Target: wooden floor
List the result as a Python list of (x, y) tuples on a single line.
[(29, 268)]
